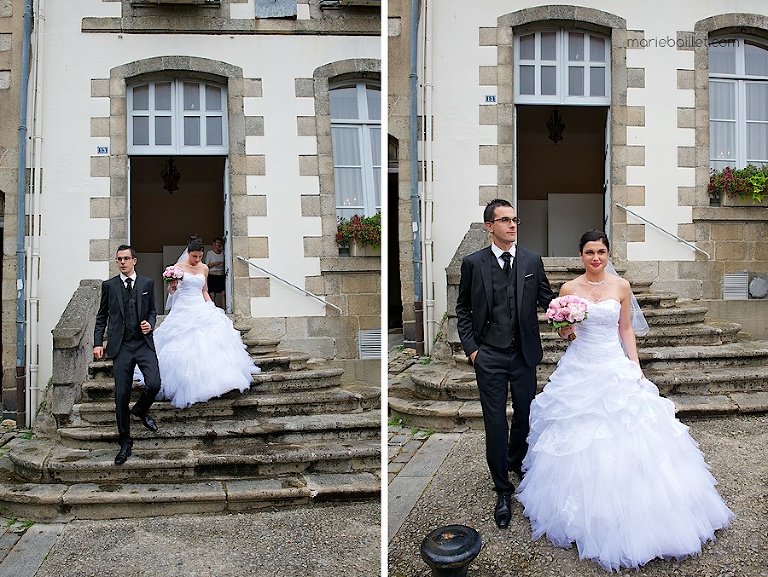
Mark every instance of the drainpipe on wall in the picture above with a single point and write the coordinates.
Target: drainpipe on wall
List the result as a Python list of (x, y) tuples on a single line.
[(33, 258), (418, 303), (21, 397), (429, 285)]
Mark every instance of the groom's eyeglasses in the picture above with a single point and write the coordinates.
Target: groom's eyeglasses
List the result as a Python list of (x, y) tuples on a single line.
[(122, 258), (506, 220)]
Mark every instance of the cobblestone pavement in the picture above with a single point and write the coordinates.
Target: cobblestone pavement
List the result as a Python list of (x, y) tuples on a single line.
[(11, 529), (402, 442)]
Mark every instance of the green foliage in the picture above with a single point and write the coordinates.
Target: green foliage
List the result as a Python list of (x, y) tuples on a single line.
[(750, 182), (365, 231)]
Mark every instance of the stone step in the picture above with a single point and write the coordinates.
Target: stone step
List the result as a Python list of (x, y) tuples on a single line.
[(264, 354), (662, 322), (711, 334), (194, 434), (282, 361), (245, 406), (260, 346), (461, 415), (730, 354), (713, 381), (734, 354), (102, 387), (60, 502), (293, 381), (672, 373), (45, 461)]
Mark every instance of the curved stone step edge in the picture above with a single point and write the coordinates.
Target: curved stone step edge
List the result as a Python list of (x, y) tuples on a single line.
[(45, 461), (461, 415), (107, 501), (454, 384), (233, 428), (164, 410), (262, 383)]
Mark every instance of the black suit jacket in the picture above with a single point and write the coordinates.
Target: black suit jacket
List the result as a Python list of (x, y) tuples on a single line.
[(111, 315), (475, 300)]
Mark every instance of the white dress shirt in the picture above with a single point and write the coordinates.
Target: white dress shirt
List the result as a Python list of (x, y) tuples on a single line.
[(497, 252)]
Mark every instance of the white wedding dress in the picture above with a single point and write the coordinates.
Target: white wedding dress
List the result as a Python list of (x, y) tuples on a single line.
[(609, 467), (200, 353)]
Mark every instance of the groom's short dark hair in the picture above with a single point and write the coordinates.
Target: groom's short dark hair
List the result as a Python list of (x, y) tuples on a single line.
[(491, 207), (126, 247)]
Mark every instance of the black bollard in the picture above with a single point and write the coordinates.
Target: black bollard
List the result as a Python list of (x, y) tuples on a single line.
[(449, 550)]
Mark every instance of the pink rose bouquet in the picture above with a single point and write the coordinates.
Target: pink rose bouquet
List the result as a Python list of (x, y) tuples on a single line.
[(566, 310), (172, 273)]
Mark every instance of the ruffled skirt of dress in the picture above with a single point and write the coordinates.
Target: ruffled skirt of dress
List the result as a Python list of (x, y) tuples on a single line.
[(610, 468), (201, 355)]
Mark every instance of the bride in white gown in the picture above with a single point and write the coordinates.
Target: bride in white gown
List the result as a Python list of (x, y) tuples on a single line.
[(609, 467), (200, 353)]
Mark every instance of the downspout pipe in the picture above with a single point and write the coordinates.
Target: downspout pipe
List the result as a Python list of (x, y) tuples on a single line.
[(418, 302), (24, 410)]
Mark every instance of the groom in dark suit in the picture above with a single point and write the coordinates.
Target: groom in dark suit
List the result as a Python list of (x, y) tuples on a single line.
[(499, 291), (128, 312)]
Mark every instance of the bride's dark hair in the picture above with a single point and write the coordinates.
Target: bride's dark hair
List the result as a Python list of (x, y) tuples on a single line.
[(591, 236), (194, 246)]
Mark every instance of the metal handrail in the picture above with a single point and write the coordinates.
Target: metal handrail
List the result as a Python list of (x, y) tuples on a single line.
[(306, 292), (694, 247)]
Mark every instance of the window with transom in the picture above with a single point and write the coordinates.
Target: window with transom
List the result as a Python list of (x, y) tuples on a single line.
[(177, 117), (562, 67)]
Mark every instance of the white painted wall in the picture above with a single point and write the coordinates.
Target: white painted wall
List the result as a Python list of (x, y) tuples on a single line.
[(457, 96), (72, 59)]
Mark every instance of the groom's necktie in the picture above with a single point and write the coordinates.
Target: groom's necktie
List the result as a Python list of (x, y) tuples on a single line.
[(128, 283), (506, 257)]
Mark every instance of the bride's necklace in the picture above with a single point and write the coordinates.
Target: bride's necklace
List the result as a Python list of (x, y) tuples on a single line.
[(595, 285)]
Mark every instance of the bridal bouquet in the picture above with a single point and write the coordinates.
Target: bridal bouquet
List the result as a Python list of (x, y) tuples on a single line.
[(566, 310), (172, 273)]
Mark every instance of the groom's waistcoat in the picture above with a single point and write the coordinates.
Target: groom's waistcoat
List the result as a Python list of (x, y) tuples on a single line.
[(131, 314), (502, 332)]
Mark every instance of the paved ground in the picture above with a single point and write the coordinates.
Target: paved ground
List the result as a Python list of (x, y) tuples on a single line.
[(443, 480), (322, 540)]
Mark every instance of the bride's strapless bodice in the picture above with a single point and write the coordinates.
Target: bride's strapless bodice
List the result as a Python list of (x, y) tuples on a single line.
[(190, 290), (191, 282), (602, 322), (597, 345)]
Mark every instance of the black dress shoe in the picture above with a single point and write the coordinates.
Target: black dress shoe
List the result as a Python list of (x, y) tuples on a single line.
[(502, 514), (148, 421), (122, 456)]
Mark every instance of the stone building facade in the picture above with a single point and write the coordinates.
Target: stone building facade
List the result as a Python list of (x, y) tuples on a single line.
[(477, 104), (268, 187)]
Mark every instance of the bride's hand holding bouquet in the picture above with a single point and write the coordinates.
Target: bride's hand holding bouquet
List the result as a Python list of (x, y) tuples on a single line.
[(171, 276), (564, 312)]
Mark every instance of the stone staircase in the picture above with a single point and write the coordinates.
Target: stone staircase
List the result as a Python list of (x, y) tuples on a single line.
[(704, 367), (295, 437)]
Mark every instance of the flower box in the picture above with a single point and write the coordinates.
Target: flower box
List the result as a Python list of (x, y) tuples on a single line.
[(740, 187), (361, 234)]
